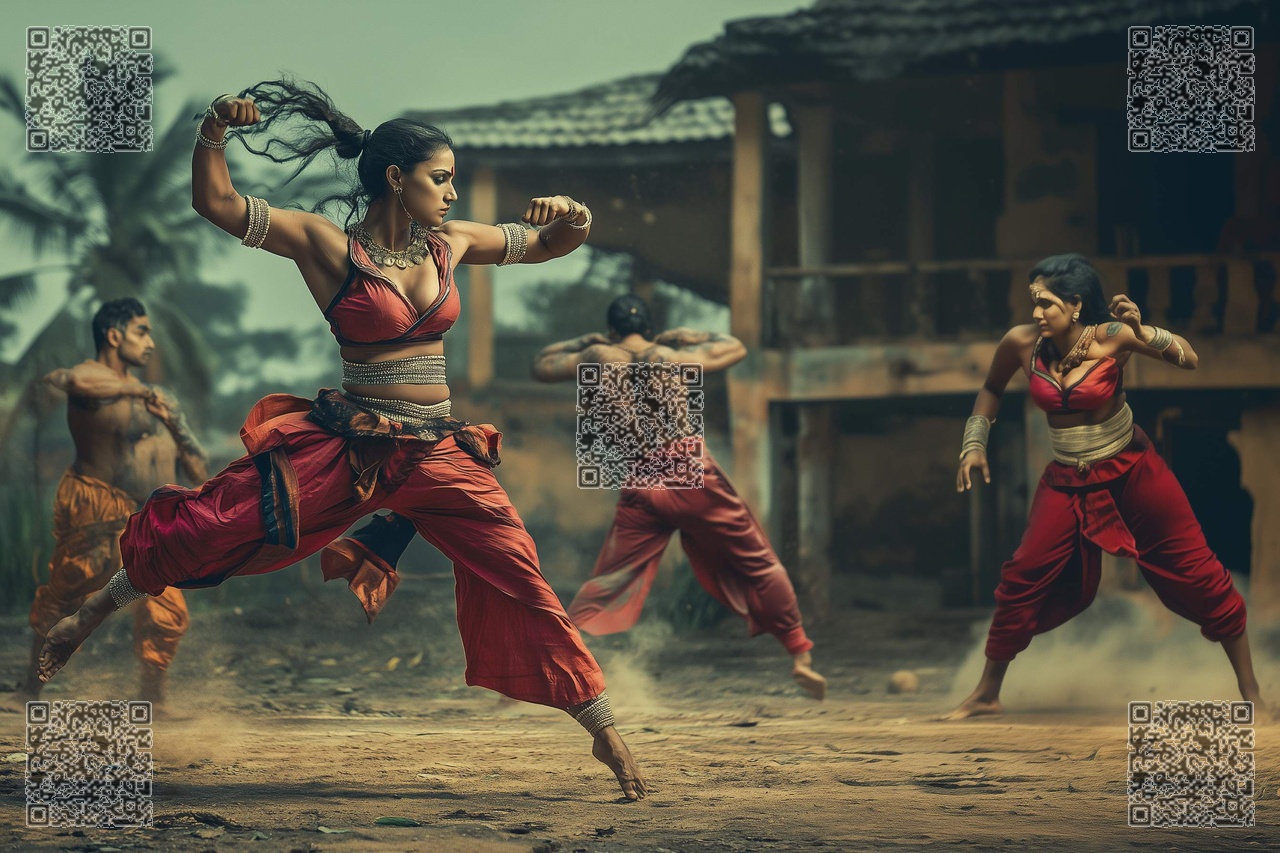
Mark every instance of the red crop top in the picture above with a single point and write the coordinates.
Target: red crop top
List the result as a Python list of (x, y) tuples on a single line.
[(1092, 391), (369, 310)]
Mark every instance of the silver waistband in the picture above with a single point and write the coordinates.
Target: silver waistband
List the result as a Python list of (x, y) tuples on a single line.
[(415, 370), (402, 410), (1081, 446)]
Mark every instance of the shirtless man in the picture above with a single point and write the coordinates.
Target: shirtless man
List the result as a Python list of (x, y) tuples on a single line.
[(729, 552), (727, 548), (130, 439)]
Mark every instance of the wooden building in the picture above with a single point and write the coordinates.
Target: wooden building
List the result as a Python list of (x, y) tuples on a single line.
[(942, 148)]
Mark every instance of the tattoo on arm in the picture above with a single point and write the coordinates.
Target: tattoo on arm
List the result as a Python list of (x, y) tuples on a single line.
[(1113, 328)]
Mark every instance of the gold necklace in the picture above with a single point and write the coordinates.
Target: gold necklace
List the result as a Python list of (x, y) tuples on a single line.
[(1073, 359), (410, 256)]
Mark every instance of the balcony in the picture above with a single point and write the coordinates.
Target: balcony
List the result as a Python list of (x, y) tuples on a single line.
[(899, 328)]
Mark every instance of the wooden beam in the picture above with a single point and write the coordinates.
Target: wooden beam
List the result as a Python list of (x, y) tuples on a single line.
[(747, 234), (1255, 441), (479, 311), (917, 368)]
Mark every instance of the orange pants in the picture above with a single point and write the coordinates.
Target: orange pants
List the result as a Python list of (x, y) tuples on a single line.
[(88, 516)]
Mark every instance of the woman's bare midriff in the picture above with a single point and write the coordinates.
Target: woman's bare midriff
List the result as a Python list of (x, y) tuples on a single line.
[(423, 395)]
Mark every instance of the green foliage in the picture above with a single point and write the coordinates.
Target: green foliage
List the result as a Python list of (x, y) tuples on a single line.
[(686, 605), (28, 545)]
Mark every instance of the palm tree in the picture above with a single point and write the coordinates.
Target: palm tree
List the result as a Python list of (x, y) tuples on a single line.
[(121, 225)]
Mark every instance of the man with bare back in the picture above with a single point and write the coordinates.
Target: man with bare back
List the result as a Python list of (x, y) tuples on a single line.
[(727, 548), (130, 439)]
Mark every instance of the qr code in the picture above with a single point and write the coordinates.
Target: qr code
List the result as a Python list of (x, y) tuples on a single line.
[(89, 764), (1191, 764), (635, 422), (89, 89), (1191, 89)]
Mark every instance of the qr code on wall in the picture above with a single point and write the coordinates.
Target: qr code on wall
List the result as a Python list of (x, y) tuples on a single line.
[(89, 89), (634, 422), (1191, 89), (1191, 764), (89, 764)]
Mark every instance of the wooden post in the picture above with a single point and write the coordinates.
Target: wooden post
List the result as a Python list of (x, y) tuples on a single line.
[(1206, 297), (1159, 296), (920, 235), (816, 312), (484, 208), (1241, 314), (816, 440), (747, 235), (815, 449), (748, 400), (1256, 441)]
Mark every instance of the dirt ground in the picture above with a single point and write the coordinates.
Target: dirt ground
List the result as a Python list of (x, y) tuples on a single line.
[(306, 726)]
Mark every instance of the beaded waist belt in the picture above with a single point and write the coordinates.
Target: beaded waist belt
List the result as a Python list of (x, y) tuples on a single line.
[(415, 370), (402, 410), (1081, 446)]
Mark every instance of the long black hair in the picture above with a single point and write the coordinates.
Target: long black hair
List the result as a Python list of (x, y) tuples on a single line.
[(401, 142), (1072, 277)]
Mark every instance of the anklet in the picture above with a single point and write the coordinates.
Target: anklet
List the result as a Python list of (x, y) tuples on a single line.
[(122, 592), (596, 715)]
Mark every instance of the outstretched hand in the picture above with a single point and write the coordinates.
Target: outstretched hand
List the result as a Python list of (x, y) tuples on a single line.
[(972, 459)]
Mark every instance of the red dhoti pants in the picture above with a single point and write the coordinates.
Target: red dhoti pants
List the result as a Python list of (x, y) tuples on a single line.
[(88, 515), (1129, 505), (729, 552), (294, 493)]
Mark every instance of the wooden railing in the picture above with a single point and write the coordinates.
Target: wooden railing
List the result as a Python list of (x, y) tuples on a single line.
[(866, 303)]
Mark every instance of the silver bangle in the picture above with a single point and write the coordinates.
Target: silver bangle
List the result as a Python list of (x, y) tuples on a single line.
[(584, 226), (210, 143), (259, 222), (210, 112), (596, 715), (976, 431), (122, 592), (517, 243), (1161, 339)]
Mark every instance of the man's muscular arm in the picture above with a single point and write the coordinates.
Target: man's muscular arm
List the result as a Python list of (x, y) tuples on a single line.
[(713, 350), (94, 380), (559, 362), (191, 456)]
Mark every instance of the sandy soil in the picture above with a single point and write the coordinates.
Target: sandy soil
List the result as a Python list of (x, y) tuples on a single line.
[(307, 726)]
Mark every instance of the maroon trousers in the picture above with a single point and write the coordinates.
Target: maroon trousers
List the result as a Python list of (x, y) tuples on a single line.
[(729, 552), (1132, 506)]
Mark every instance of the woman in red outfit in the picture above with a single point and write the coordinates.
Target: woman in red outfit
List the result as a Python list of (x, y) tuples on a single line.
[(1107, 489), (386, 440)]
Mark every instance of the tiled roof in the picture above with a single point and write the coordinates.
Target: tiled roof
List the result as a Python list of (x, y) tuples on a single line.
[(879, 39), (612, 114)]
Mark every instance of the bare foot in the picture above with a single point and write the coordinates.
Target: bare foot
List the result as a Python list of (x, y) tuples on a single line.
[(810, 681), (66, 636), (974, 706), (1262, 714), (16, 702), (613, 753)]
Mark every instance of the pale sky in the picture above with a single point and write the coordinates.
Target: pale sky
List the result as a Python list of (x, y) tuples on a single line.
[(376, 59)]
